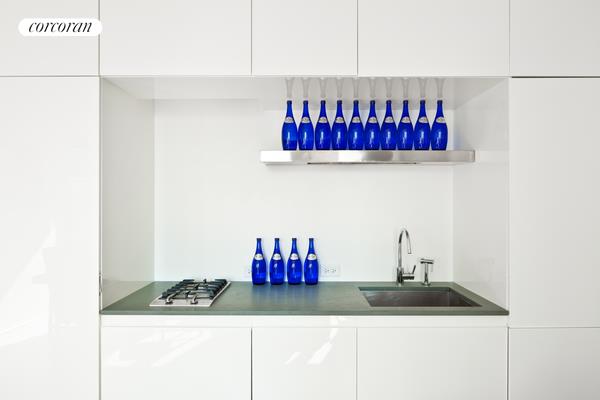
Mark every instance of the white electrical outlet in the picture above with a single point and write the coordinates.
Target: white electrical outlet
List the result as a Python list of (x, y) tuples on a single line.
[(330, 271)]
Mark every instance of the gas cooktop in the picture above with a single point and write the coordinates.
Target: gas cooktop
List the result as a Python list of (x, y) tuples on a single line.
[(191, 293)]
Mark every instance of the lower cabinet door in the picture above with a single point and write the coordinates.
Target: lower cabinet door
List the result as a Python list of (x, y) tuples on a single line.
[(304, 363), (175, 363), (432, 363)]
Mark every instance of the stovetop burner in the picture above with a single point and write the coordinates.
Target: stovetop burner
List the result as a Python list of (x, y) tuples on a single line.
[(191, 293)]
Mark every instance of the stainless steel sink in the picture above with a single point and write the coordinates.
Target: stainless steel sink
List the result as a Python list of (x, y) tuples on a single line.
[(416, 297)]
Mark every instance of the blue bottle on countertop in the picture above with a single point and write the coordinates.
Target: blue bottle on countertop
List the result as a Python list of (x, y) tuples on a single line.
[(355, 130), (311, 265), (289, 131), (406, 134), (372, 131), (339, 130), (323, 130), (422, 129), (439, 129), (259, 265), (389, 132), (276, 266), (306, 132), (294, 265)]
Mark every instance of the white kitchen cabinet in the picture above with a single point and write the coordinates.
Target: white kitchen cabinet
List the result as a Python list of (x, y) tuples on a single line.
[(49, 135), (157, 363), (177, 37), (554, 38), (554, 215), (433, 37), (310, 37), (554, 364), (23, 56), (304, 363), (432, 363)]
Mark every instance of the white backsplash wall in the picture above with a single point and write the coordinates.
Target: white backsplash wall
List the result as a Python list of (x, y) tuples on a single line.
[(213, 198)]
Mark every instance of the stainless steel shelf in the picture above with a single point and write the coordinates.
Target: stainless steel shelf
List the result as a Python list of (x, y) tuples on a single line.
[(429, 157)]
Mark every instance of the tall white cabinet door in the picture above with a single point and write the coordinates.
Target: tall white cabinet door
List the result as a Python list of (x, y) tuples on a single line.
[(554, 364), (49, 233), (554, 217), (304, 363), (433, 37), (554, 38), (22, 56), (175, 37), (175, 363), (309, 37), (432, 363)]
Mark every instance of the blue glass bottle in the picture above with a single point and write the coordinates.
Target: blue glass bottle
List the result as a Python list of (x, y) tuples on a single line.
[(389, 132), (294, 265), (289, 131), (372, 131), (259, 265), (439, 129), (276, 266), (422, 129), (306, 132), (405, 129), (339, 130), (355, 130), (311, 265), (323, 130)]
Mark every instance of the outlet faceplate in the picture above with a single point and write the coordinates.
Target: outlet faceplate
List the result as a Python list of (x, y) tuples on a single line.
[(330, 271)]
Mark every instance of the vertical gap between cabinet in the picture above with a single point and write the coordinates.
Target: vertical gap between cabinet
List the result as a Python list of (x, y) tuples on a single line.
[(251, 364), (251, 41), (356, 364), (357, 28), (507, 363)]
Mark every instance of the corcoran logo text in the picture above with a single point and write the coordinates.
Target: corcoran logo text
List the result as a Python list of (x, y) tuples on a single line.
[(60, 27)]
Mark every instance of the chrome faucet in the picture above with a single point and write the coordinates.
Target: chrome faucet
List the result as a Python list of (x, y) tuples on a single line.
[(427, 264), (401, 276)]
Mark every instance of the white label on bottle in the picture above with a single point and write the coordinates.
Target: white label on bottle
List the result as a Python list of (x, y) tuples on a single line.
[(372, 120), (294, 256), (258, 257), (305, 120), (423, 120), (355, 120), (388, 120), (312, 257), (276, 257), (405, 120), (339, 120), (440, 120), (323, 120), (288, 120)]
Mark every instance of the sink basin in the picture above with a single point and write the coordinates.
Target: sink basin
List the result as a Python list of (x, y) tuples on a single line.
[(416, 297)]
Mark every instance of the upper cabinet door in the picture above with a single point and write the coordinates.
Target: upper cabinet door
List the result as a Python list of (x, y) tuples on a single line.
[(26, 56), (176, 37), (310, 37), (554, 38), (433, 37)]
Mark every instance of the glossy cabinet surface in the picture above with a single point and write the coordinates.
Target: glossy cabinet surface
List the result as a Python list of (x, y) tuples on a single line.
[(157, 363), (49, 294), (554, 217), (554, 364), (554, 38), (304, 363), (432, 363), (178, 37), (433, 37), (26, 56), (310, 37)]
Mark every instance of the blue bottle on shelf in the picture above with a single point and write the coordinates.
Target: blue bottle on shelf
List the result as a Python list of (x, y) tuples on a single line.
[(259, 265), (276, 266), (339, 130), (389, 132), (306, 132), (372, 131), (355, 130), (422, 129), (289, 130), (294, 265), (405, 129), (311, 265), (439, 129), (323, 130)]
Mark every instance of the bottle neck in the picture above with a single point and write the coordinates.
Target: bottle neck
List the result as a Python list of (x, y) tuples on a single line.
[(258, 246), (388, 108), (305, 108), (289, 112), (440, 108), (339, 110), (323, 109), (311, 246), (294, 248), (372, 108), (276, 249), (405, 108), (355, 111), (422, 108)]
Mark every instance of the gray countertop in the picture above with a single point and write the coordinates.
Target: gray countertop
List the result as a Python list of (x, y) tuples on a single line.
[(326, 298)]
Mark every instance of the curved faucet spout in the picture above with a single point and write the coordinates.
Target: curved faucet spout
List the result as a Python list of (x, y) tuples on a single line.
[(401, 276)]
